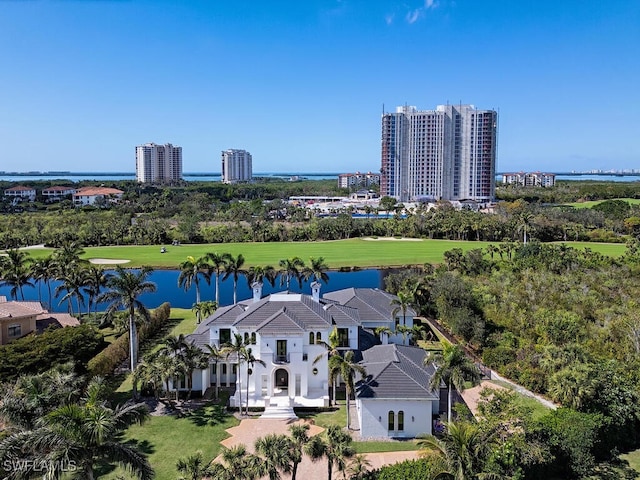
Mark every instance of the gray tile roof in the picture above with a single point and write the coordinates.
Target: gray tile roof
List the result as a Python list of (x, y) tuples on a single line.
[(396, 371), (222, 316), (282, 322), (373, 304)]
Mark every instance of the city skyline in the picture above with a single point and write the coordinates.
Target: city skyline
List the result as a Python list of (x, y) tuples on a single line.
[(302, 85)]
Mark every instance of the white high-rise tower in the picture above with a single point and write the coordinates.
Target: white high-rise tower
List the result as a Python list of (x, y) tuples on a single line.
[(158, 163), (236, 166)]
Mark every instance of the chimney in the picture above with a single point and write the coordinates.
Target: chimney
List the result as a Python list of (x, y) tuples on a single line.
[(315, 291), (257, 291)]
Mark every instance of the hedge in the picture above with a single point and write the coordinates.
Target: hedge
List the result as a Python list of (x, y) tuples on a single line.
[(407, 470), (106, 362)]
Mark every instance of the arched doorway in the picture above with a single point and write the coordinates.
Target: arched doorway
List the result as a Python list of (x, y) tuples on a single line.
[(281, 382)]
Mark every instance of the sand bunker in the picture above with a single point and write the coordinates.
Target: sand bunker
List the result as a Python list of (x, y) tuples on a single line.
[(402, 239), (107, 261)]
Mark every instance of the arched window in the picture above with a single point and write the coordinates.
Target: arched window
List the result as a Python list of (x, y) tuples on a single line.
[(246, 338), (392, 421), (311, 338), (401, 421), (253, 338), (318, 337)]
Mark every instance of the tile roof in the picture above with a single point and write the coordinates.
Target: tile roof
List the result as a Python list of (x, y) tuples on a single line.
[(396, 371), (91, 191), (373, 304), (20, 309)]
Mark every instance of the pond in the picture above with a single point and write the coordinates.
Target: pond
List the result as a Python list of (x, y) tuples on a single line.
[(168, 291)]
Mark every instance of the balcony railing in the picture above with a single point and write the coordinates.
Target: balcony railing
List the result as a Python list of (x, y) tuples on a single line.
[(281, 358)]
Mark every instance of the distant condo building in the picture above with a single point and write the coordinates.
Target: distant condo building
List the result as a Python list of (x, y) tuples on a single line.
[(158, 163), (444, 154), (359, 180), (529, 179), (236, 166)]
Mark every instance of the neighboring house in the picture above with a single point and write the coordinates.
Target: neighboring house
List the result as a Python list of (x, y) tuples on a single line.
[(395, 399), (20, 192), (287, 331), (55, 194), (18, 319), (89, 195)]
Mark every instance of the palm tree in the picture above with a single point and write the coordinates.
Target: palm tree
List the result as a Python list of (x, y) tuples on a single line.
[(190, 359), (126, 287), (204, 309), (331, 349), (238, 348), (317, 270), (291, 268), (217, 263), (402, 303), (335, 445), (250, 360), (454, 368), (240, 465), (16, 272), (150, 373), (299, 438), (95, 280), (193, 467), (258, 273), (347, 369), (42, 271), (81, 435), (381, 331), (73, 280), (403, 330), (234, 268), (215, 354), (358, 467), (461, 452), (274, 449), (190, 272)]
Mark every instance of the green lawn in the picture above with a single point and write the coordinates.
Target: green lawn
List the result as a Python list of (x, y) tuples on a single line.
[(385, 446), (633, 458), (354, 252), (589, 204), (166, 439), (538, 409)]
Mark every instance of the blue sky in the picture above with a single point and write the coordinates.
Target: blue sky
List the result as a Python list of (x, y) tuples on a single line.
[(301, 84)]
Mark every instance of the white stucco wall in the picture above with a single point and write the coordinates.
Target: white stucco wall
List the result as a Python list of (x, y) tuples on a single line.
[(373, 417)]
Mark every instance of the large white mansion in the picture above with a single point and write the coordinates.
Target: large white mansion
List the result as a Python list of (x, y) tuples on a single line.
[(287, 332)]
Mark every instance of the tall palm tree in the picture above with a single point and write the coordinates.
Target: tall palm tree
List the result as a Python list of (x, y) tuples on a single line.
[(461, 452), (81, 435), (454, 368), (217, 263), (347, 369), (193, 467), (215, 354), (402, 303), (95, 280), (126, 286), (73, 281), (16, 272), (358, 467), (331, 349), (190, 272), (190, 359), (204, 309), (42, 271), (291, 268), (250, 360), (233, 268), (258, 273), (317, 270), (299, 438), (335, 445), (274, 449), (238, 349)]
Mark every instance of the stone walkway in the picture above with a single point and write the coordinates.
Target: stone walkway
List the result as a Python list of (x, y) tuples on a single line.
[(250, 429)]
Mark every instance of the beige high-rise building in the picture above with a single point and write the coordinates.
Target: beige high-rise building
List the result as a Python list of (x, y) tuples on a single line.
[(444, 154), (158, 163), (237, 166)]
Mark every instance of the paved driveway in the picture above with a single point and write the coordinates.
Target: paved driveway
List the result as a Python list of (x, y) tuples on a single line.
[(251, 429)]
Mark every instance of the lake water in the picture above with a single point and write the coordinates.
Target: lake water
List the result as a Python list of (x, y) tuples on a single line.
[(168, 291)]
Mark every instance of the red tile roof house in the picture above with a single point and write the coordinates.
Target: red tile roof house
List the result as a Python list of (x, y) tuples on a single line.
[(18, 319), (57, 193), (89, 195), (21, 192)]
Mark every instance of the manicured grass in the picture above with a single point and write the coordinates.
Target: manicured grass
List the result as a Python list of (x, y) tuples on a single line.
[(608, 249), (166, 439), (633, 458), (589, 204), (385, 446), (354, 252), (324, 419)]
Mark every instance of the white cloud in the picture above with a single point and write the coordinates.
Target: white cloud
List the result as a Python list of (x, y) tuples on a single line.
[(414, 15), (430, 4), (389, 18)]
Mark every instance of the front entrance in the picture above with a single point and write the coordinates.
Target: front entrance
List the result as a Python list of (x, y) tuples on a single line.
[(281, 382)]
